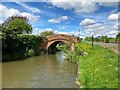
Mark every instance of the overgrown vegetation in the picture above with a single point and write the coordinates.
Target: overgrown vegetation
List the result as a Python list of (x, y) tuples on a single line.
[(98, 66), (17, 42), (46, 33)]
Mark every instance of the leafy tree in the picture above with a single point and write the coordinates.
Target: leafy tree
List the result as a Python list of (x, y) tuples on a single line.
[(17, 24), (96, 39), (112, 40), (88, 38), (46, 33), (104, 37), (118, 35), (118, 38), (15, 43)]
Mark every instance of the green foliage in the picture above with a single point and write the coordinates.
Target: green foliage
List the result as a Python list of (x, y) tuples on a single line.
[(68, 53), (88, 39), (99, 68), (16, 24), (20, 45), (96, 39), (104, 37), (101, 39), (30, 52), (118, 35), (15, 43), (63, 47), (46, 33), (112, 40), (118, 38)]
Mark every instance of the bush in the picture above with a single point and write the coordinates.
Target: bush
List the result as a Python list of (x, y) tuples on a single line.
[(30, 52)]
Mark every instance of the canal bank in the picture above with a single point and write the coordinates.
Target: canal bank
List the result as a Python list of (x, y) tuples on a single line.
[(97, 66)]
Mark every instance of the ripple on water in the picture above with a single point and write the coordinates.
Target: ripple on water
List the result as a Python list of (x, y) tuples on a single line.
[(45, 71)]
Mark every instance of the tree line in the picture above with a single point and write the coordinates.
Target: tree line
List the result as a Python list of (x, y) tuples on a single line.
[(104, 38)]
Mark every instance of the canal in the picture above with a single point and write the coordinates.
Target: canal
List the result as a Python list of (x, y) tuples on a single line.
[(45, 71)]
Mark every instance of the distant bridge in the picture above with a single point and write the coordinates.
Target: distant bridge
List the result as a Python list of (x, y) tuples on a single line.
[(49, 43)]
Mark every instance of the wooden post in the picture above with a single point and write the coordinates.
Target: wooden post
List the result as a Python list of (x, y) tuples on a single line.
[(73, 47), (104, 43), (92, 40)]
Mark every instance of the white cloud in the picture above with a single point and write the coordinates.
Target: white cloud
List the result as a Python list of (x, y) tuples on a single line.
[(108, 4), (5, 13), (78, 7), (112, 33), (87, 22), (54, 20), (37, 31), (33, 9), (114, 11), (63, 28), (115, 27), (1, 20), (96, 25), (32, 17), (58, 20), (2, 9), (99, 29), (114, 17), (62, 33), (48, 29)]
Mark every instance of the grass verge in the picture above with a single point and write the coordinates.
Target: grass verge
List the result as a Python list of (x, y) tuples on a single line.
[(98, 66)]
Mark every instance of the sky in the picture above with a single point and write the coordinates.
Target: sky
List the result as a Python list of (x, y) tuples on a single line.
[(70, 17)]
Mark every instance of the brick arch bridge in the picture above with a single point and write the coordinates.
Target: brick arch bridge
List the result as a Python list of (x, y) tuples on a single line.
[(49, 43)]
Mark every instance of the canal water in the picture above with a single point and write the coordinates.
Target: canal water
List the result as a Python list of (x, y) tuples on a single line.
[(45, 71)]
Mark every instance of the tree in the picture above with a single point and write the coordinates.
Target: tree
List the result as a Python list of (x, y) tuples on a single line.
[(112, 40), (104, 37), (118, 38), (46, 33), (118, 35), (86, 39), (15, 43), (96, 39), (17, 24)]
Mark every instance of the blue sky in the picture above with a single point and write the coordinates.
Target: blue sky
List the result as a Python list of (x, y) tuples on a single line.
[(98, 18)]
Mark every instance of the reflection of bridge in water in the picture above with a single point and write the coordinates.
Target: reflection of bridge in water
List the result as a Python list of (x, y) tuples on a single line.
[(51, 42)]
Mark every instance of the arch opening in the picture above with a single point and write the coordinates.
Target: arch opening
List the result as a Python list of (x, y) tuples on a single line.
[(52, 49)]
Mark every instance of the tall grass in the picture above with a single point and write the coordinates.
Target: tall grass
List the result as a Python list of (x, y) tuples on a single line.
[(99, 68)]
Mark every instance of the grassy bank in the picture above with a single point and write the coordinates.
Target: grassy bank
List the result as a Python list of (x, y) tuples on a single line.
[(98, 66)]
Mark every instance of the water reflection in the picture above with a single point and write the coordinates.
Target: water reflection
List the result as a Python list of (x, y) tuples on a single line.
[(46, 71), (60, 57)]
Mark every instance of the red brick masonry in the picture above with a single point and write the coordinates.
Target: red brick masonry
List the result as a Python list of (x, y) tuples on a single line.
[(58, 37)]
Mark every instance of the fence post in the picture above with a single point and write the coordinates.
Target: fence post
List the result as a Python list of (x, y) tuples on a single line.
[(92, 41), (104, 43)]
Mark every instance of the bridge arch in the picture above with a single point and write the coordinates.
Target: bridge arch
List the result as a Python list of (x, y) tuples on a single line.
[(52, 46), (53, 40)]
